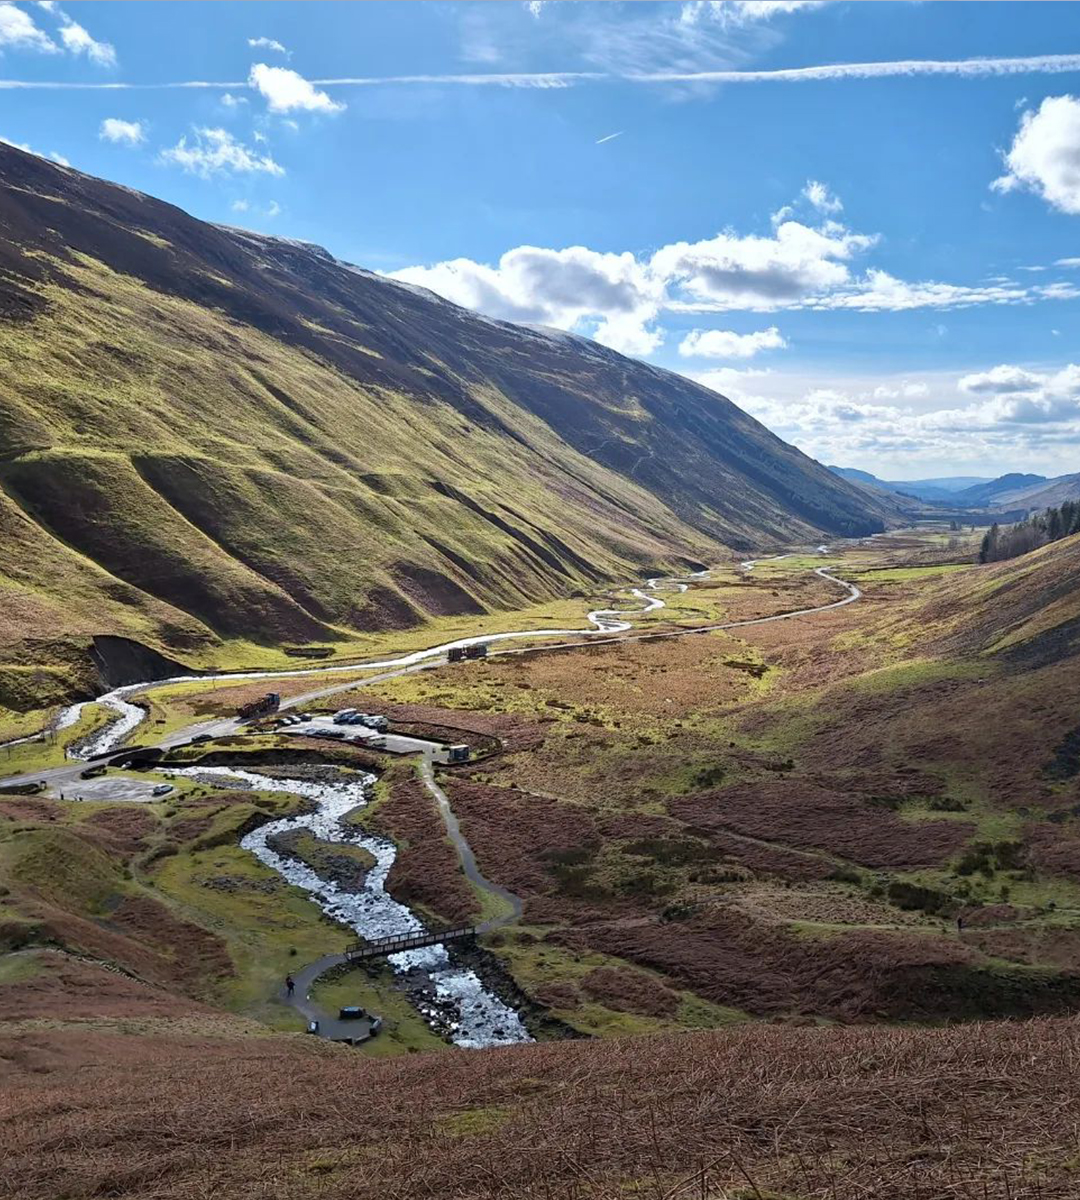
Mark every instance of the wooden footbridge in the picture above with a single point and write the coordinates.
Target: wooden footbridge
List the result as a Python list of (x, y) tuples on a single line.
[(399, 942)]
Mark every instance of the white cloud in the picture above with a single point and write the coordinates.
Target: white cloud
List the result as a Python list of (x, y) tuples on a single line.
[(231, 101), (1045, 154), (617, 298), (534, 7), (723, 343), (742, 12), (273, 208), (613, 296), (240, 206), (1009, 415), (610, 137), (731, 271), (18, 31), (126, 133), (59, 159), (821, 198), (1067, 262), (265, 43), (286, 91), (213, 151), (77, 41)]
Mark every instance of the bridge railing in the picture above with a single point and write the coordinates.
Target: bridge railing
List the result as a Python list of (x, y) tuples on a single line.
[(397, 943)]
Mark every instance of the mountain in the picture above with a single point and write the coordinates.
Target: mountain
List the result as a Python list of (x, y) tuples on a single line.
[(208, 434), (943, 489), (1048, 494), (999, 491)]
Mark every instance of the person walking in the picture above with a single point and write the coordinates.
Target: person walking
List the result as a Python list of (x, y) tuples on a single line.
[(290, 985)]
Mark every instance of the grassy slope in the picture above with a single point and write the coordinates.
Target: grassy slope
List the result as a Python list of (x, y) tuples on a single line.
[(206, 435)]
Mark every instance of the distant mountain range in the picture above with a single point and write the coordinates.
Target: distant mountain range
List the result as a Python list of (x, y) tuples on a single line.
[(1011, 491)]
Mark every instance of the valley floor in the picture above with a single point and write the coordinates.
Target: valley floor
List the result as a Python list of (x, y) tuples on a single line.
[(861, 817)]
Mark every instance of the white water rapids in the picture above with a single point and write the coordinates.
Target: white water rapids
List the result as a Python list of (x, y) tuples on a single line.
[(481, 1019)]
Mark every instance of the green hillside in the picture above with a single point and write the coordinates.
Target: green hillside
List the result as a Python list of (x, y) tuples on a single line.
[(209, 435)]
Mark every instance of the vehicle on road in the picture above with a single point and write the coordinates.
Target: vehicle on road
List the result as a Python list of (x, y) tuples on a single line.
[(457, 754), (162, 789)]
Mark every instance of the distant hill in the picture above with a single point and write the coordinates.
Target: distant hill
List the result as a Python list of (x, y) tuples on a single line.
[(1013, 491), (998, 491), (211, 434), (1048, 494), (943, 489)]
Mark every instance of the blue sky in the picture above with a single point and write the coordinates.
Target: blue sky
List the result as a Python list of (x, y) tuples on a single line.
[(856, 220)]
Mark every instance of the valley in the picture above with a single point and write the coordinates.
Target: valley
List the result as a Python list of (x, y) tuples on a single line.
[(790, 828)]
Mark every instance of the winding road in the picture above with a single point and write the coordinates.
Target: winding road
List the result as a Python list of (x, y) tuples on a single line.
[(609, 622), (482, 1018)]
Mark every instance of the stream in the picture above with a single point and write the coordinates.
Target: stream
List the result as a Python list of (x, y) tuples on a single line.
[(471, 1016)]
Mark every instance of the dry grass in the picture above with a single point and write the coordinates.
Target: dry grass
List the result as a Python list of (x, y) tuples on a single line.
[(984, 1112)]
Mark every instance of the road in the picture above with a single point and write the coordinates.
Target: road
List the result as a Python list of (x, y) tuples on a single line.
[(66, 778)]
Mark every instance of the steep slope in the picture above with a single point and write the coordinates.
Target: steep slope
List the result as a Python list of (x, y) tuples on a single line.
[(208, 434)]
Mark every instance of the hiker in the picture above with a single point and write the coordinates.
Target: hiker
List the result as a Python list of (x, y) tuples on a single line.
[(960, 923), (289, 985)]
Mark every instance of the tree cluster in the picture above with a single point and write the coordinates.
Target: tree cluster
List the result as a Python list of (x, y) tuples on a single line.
[(1037, 530)]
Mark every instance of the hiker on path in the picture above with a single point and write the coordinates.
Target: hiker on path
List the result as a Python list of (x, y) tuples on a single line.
[(289, 985)]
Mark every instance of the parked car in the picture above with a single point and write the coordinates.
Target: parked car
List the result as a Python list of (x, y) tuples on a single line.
[(93, 772), (377, 722), (378, 742), (344, 716), (163, 789)]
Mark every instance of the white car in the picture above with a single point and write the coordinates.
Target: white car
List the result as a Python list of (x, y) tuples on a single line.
[(162, 789)]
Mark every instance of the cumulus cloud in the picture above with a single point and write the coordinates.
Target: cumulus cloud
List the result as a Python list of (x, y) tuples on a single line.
[(265, 43), (821, 198), (231, 101), (77, 41), (215, 151), (732, 271), (287, 91), (1008, 413), (18, 31), (124, 133), (723, 343), (613, 294), (619, 297), (1045, 154)]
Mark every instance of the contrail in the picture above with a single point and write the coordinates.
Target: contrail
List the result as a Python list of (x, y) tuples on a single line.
[(610, 137), (970, 68)]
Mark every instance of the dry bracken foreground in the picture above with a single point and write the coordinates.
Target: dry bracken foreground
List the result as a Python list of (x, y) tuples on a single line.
[(767, 1112)]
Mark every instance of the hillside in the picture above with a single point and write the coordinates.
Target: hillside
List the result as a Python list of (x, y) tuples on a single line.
[(208, 435)]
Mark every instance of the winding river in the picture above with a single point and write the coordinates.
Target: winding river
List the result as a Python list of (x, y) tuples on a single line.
[(472, 1016), (468, 1013)]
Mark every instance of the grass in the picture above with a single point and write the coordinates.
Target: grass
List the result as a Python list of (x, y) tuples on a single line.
[(403, 1031)]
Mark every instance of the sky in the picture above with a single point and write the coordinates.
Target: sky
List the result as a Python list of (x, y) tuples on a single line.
[(859, 221)]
